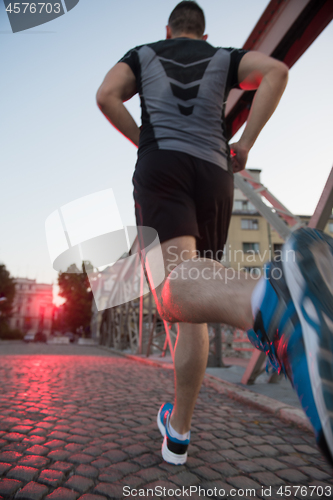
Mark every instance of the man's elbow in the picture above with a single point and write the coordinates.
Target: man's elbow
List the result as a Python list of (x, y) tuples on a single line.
[(101, 98), (283, 71)]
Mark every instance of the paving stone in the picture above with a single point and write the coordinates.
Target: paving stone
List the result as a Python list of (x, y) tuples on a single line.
[(248, 466), (243, 482), (4, 467), (87, 471), (115, 456), (267, 479), (81, 458), (55, 444), (101, 463), (79, 483), (266, 450), (8, 487), (13, 436), (135, 449), (133, 481), (270, 463), (23, 473), (9, 456), (147, 460), (294, 460), (225, 469), (291, 475), (109, 490), (151, 473), (22, 429), (206, 473), (32, 440), (81, 432), (58, 435), (37, 450), (110, 476), (51, 477), (32, 491), (38, 431), (78, 439), (62, 466), (231, 455), (59, 455), (95, 451), (45, 425), (193, 462), (74, 447), (315, 473), (62, 494), (185, 479)]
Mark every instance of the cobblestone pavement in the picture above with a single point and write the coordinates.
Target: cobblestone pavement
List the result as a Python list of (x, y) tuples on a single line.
[(84, 427)]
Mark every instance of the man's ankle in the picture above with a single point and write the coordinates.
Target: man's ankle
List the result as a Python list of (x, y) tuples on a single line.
[(180, 428)]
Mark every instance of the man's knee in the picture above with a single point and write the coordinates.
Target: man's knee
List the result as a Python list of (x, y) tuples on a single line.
[(163, 303)]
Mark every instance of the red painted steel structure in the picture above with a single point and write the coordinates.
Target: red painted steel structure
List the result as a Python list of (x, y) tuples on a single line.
[(285, 31)]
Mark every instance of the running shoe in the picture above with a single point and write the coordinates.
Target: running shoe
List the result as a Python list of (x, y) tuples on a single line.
[(294, 325), (174, 451)]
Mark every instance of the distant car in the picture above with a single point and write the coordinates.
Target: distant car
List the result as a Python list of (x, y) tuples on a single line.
[(29, 337), (70, 335), (40, 337)]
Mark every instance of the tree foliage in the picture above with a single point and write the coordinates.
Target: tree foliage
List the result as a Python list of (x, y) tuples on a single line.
[(75, 288), (7, 294)]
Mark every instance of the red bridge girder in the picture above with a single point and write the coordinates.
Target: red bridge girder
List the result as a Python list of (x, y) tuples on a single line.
[(285, 31)]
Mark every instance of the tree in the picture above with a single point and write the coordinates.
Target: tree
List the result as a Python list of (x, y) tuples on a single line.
[(7, 294), (75, 288)]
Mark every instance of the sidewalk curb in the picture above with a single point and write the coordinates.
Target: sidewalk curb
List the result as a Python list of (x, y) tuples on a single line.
[(288, 413), (285, 412)]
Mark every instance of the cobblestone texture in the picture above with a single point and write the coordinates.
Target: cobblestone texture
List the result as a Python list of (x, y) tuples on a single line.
[(83, 427)]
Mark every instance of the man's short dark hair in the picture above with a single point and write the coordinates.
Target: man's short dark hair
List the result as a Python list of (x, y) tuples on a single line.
[(187, 17)]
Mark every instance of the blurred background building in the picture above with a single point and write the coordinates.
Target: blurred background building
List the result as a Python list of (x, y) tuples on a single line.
[(33, 307)]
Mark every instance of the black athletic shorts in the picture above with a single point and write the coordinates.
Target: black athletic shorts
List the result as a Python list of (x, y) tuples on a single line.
[(178, 194)]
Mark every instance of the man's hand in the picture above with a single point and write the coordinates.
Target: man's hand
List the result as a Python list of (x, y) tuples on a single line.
[(239, 155)]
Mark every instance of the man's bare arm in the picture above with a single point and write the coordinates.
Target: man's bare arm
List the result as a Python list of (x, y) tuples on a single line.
[(269, 77), (118, 86)]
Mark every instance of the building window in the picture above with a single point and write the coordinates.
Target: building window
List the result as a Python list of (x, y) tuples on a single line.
[(244, 206), (251, 247), (249, 224), (330, 227)]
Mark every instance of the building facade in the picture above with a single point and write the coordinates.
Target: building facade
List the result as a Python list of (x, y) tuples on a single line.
[(33, 306), (251, 240)]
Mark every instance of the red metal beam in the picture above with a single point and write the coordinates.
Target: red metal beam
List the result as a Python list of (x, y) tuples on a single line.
[(285, 31)]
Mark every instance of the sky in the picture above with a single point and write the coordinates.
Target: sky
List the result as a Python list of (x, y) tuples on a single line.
[(56, 146)]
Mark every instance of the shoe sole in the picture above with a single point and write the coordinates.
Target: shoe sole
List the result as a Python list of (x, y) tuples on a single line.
[(170, 457), (310, 281)]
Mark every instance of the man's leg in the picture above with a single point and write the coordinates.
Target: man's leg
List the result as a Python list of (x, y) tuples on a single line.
[(196, 291), (191, 355)]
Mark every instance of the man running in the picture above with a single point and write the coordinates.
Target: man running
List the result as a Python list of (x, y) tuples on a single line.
[(183, 188)]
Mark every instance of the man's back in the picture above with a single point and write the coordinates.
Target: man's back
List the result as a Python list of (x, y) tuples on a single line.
[(183, 85)]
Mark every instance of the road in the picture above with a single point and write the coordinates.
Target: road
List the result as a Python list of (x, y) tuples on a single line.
[(80, 423)]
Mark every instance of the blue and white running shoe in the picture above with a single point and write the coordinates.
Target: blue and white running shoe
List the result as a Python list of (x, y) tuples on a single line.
[(174, 451), (294, 325)]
